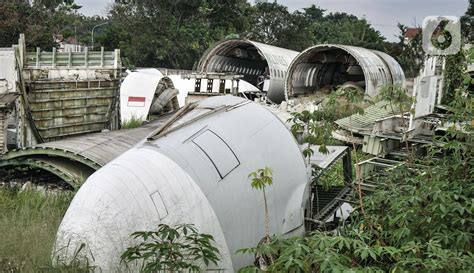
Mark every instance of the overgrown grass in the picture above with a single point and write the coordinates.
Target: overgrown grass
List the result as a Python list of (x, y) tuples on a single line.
[(134, 122), (28, 224)]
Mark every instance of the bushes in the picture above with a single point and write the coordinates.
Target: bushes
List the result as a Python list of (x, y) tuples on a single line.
[(172, 249), (420, 219)]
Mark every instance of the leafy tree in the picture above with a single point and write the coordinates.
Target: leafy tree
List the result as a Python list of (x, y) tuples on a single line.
[(172, 249), (53, 4), (343, 28), (16, 18), (39, 22), (273, 24), (269, 22), (314, 128), (412, 53), (260, 179), (314, 13), (169, 33), (460, 138), (298, 34), (174, 34), (354, 99)]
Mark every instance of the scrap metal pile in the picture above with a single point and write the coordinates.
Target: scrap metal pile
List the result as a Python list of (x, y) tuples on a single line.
[(189, 163)]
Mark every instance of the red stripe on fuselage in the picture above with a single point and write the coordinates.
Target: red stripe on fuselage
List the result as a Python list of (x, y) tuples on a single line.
[(136, 99)]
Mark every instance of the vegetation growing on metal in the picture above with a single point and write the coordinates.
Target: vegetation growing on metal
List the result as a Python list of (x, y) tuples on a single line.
[(454, 74), (132, 123), (260, 179), (399, 102), (426, 224), (355, 99), (312, 128)]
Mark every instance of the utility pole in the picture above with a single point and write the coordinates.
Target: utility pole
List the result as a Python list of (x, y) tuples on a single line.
[(92, 42)]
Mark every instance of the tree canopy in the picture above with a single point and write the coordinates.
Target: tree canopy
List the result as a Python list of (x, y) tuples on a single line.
[(174, 34)]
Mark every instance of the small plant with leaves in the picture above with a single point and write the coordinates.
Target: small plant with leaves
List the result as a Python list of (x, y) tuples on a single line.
[(312, 128), (171, 249), (399, 102), (260, 179)]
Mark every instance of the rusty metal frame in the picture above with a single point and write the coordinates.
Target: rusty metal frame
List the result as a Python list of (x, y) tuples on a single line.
[(63, 173)]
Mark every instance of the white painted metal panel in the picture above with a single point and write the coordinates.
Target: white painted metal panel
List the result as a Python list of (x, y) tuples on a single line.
[(136, 94), (138, 89), (7, 70), (428, 87), (425, 89), (187, 85)]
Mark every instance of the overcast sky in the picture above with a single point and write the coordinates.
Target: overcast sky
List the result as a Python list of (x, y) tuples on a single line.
[(382, 14)]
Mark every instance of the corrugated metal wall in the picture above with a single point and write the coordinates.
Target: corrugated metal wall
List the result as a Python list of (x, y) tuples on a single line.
[(71, 93), (64, 108)]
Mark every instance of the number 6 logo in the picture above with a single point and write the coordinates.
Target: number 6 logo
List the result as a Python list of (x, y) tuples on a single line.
[(441, 35)]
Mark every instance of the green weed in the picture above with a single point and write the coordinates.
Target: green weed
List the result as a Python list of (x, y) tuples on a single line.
[(28, 224)]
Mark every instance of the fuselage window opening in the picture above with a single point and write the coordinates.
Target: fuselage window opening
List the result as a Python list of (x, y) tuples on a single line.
[(218, 152)]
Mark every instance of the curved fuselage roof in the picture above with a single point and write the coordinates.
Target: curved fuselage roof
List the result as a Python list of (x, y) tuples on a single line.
[(318, 65), (195, 170)]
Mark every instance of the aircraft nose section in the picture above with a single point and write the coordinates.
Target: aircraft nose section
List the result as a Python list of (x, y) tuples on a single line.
[(136, 192), (105, 211)]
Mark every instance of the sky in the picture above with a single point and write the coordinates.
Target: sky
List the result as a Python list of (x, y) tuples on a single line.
[(382, 14)]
